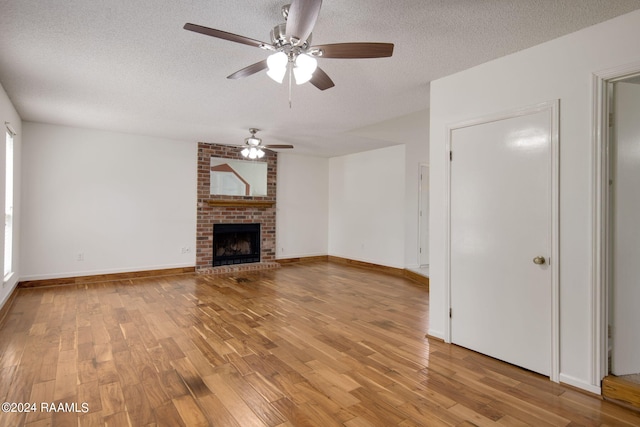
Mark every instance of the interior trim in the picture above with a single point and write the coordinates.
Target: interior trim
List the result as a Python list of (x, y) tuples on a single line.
[(599, 216), (305, 259), (415, 277), (4, 310), (242, 203), (186, 270), (104, 277)]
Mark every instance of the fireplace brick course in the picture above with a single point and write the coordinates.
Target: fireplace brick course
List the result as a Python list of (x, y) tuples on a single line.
[(208, 215)]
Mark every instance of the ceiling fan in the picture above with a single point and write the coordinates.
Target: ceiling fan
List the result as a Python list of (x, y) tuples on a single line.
[(254, 149), (292, 49)]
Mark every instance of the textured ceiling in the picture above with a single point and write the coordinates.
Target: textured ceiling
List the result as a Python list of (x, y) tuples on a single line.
[(128, 66)]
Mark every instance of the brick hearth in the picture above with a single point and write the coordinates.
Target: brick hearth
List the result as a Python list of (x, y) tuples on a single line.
[(234, 209)]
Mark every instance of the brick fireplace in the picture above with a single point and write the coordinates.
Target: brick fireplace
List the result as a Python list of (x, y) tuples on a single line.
[(217, 209)]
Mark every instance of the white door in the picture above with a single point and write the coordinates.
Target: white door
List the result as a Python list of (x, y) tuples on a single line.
[(423, 250), (501, 219)]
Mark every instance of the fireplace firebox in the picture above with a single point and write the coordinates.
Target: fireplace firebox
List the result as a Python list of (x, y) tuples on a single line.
[(236, 244)]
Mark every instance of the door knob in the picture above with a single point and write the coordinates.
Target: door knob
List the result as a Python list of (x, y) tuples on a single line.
[(539, 260)]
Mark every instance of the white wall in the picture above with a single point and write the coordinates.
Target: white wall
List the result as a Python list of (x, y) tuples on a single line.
[(412, 130), (367, 206), (559, 69), (119, 201), (302, 198), (9, 114), (127, 203)]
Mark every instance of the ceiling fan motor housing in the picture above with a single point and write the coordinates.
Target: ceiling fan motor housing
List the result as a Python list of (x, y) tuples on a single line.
[(280, 40), (253, 140)]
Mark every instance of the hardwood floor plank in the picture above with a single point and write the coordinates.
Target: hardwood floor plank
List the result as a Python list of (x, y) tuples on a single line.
[(127, 371), (190, 412), (191, 377), (216, 412), (111, 398), (120, 419), (294, 413), (106, 372), (154, 391), (313, 344), (172, 384), (138, 409), (258, 404), (266, 388), (167, 415), (88, 393), (325, 405), (232, 400)]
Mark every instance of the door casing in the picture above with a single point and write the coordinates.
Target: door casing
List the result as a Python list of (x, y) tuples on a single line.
[(600, 266), (423, 216)]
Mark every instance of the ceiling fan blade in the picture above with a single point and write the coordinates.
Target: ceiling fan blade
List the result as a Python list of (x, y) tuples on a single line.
[(301, 18), (278, 146), (251, 69), (224, 35), (321, 80), (355, 50)]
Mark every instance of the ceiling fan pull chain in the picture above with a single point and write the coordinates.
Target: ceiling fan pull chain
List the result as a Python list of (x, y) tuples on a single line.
[(290, 72)]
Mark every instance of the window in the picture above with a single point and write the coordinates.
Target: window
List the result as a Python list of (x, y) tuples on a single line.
[(8, 206)]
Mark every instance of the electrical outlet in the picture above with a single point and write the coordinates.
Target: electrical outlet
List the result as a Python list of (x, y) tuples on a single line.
[(185, 250), (80, 256)]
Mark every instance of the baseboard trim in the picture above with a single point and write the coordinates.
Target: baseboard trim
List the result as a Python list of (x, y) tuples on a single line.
[(368, 265), (6, 306), (104, 277), (302, 260), (414, 277), (578, 384), (419, 278), (433, 338), (437, 335), (38, 283)]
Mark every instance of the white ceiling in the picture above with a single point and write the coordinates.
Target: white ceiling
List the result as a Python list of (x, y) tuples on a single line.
[(129, 66)]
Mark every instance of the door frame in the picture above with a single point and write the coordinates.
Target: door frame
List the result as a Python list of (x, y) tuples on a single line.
[(421, 210), (553, 107), (600, 218)]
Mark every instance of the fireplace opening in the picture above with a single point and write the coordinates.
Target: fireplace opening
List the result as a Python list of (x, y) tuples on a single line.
[(236, 244)]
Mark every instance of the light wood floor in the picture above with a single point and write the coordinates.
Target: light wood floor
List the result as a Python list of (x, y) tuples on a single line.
[(305, 345)]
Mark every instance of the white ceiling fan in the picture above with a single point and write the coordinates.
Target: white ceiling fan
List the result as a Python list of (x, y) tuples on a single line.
[(292, 50), (253, 148)]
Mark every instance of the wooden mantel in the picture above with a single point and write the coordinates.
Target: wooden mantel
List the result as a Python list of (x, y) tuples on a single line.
[(242, 203)]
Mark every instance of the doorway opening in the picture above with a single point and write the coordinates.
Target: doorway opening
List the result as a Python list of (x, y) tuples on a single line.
[(616, 241)]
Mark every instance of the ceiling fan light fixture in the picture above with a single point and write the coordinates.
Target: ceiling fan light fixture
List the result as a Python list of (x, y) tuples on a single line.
[(277, 64), (253, 141), (305, 65), (253, 153)]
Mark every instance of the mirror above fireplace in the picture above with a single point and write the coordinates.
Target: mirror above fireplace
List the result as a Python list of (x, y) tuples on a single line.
[(238, 177)]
